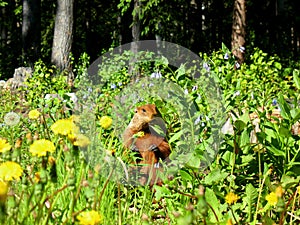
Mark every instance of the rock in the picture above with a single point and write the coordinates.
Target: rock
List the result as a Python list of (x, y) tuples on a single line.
[(2, 84), (20, 76)]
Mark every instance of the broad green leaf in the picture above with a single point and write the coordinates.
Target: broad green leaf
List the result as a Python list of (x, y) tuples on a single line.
[(250, 200), (194, 162), (288, 181), (247, 159), (239, 125), (215, 177), (278, 65), (284, 107), (212, 199), (295, 113), (185, 175), (180, 71), (245, 138), (284, 132), (296, 78), (275, 151), (176, 136)]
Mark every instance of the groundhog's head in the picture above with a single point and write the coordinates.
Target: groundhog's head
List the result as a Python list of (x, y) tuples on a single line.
[(143, 115)]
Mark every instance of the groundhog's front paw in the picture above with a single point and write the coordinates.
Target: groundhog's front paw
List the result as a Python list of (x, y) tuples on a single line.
[(153, 148)]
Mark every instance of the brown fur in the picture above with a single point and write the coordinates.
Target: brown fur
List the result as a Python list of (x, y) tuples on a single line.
[(151, 146)]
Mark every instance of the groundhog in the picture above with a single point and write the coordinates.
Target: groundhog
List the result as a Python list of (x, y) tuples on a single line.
[(141, 138)]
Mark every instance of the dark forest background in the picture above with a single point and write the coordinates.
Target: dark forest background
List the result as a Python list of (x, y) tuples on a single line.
[(27, 27)]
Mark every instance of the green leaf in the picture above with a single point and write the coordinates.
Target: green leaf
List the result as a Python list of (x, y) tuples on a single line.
[(176, 136), (284, 107), (246, 159), (275, 151), (296, 78), (180, 71), (215, 177), (284, 132), (212, 199), (250, 200), (288, 182), (194, 162), (185, 175), (224, 48), (245, 139), (239, 125), (277, 65), (295, 113)]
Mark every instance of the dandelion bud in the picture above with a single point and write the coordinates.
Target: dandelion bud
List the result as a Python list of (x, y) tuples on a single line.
[(51, 160), (145, 217), (90, 174), (85, 183), (176, 214), (66, 148), (29, 137), (18, 143), (3, 191), (36, 136), (37, 177)]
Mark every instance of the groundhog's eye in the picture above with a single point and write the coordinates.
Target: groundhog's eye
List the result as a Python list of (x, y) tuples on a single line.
[(144, 110)]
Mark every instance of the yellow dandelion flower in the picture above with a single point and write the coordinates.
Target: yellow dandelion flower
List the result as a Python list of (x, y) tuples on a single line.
[(41, 147), (231, 198), (34, 114), (4, 146), (3, 191), (279, 191), (105, 122), (272, 198), (81, 140), (63, 127), (37, 177), (89, 218), (10, 170)]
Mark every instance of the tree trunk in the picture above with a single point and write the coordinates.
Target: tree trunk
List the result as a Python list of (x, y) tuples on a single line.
[(31, 30), (239, 30), (136, 32), (63, 31)]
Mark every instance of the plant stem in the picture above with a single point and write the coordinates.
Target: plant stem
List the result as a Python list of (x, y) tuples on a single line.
[(259, 196), (119, 204)]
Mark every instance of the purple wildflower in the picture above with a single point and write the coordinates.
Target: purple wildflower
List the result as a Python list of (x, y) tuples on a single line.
[(195, 88), (198, 120), (226, 56), (206, 66), (242, 49), (156, 75)]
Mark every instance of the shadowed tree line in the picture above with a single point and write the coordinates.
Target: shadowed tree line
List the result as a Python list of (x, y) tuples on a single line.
[(50, 30)]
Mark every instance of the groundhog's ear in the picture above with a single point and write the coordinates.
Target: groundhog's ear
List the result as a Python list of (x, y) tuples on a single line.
[(155, 109)]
